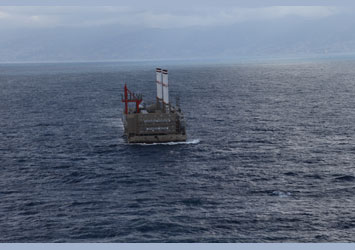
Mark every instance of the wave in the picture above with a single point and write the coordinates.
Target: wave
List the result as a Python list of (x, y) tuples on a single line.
[(281, 194), (345, 178), (192, 141), (120, 123), (114, 122)]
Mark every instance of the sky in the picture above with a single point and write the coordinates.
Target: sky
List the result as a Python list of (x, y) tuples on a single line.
[(110, 30)]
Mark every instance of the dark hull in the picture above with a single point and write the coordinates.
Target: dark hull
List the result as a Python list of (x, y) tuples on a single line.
[(156, 138), (155, 127)]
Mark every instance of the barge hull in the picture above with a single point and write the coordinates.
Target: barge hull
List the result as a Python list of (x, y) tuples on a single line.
[(156, 138)]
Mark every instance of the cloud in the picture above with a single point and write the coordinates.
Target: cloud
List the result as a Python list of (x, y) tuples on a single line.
[(235, 15), (80, 16), (301, 11)]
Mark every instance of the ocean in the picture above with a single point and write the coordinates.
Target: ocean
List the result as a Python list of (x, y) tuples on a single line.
[(270, 154)]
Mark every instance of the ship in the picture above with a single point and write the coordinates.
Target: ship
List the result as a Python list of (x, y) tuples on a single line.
[(159, 122)]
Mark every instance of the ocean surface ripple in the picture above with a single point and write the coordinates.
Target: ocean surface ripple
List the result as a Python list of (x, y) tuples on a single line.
[(270, 155)]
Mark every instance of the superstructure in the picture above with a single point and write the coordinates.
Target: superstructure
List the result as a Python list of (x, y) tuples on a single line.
[(155, 123)]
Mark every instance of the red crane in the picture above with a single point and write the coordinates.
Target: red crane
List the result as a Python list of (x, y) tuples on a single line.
[(137, 98)]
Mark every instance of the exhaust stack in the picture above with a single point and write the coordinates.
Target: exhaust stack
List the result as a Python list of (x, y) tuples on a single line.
[(165, 88), (159, 85)]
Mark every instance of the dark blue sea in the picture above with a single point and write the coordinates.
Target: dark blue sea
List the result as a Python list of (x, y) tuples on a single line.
[(270, 155)]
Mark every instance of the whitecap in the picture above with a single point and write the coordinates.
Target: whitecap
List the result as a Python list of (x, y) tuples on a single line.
[(120, 123), (192, 141), (281, 194), (114, 122)]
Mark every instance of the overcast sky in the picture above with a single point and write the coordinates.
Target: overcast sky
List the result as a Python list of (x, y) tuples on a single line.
[(29, 28), (130, 16)]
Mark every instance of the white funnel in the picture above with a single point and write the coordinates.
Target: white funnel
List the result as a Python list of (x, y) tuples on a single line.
[(159, 84), (165, 87)]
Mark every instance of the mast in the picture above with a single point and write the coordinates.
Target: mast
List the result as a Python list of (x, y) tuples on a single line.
[(133, 97)]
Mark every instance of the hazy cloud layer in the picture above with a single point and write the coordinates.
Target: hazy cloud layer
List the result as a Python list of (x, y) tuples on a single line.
[(184, 29), (78, 16)]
